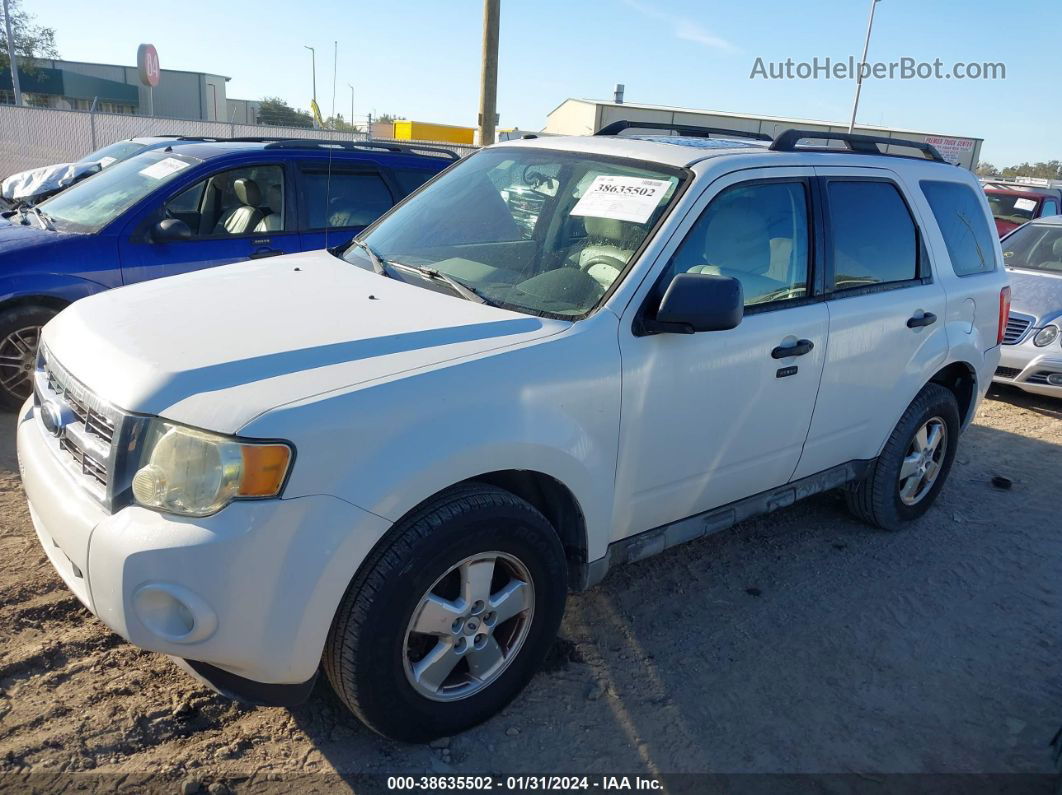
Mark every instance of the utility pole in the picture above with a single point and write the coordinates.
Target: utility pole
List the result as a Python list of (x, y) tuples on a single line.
[(11, 54), (862, 66), (488, 91)]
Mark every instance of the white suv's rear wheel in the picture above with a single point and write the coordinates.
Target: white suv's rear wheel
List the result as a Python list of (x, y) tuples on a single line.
[(451, 617), (905, 479)]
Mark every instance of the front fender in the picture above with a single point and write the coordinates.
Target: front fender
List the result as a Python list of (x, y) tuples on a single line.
[(551, 407), (57, 286)]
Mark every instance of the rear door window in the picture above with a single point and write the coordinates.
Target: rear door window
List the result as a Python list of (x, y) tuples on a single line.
[(347, 198), (874, 240), (964, 226)]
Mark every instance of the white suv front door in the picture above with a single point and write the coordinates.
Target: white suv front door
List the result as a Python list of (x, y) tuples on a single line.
[(887, 316), (713, 417)]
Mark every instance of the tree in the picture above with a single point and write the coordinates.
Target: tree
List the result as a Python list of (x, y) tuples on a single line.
[(388, 118), (337, 122), (1049, 170), (276, 112), (986, 169), (31, 40)]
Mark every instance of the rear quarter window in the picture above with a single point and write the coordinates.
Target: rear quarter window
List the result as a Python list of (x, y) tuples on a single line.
[(964, 226)]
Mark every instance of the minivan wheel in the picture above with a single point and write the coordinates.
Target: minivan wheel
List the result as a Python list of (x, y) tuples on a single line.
[(906, 478), (450, 617), (20, 334)]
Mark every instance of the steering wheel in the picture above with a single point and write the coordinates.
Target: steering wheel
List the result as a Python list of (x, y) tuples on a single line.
[(603, 259)]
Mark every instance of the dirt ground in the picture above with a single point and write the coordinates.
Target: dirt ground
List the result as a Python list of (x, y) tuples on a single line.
[(800, 642)]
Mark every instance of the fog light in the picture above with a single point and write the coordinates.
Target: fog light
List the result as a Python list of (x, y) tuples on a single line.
[(174, 613), (1055, 379), (1045, 336)]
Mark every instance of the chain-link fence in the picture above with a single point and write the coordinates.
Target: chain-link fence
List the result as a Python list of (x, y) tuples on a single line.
[(31, 137)]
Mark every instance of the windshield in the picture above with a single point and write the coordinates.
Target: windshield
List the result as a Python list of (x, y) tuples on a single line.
[(534, 230), (1035, 247), (1008, 207), (90, 205), (119, 150)]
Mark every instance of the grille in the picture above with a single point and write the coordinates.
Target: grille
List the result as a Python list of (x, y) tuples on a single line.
[(85, 442), (1017, 325), (1008, 372)]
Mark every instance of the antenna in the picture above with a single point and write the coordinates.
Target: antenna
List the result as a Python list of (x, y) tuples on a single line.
[(328, 178)]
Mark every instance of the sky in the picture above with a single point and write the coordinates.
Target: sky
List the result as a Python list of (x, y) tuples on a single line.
[(421, 59)]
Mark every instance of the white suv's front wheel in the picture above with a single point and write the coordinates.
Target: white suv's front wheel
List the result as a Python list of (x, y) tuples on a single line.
[(451, 617), (905, 479)]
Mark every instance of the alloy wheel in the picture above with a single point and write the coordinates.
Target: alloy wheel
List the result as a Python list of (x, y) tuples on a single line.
[(469, 626), (18, 356), (923, 461)]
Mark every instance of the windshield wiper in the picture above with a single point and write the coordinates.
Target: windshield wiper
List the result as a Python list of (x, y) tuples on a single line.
[(463, 290), (45, 219), (374, 258)]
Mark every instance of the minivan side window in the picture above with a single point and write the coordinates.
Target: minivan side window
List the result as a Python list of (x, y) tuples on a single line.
[(756, 233), (346, 198), (964, 226), (874, 239), (242, 201)]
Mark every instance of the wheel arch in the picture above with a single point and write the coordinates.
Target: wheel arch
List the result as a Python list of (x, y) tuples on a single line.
[(961, 379), (46, 301)]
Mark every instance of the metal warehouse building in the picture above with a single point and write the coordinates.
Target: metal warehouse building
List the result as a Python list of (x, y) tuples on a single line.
[(585, 116), (76, 85)]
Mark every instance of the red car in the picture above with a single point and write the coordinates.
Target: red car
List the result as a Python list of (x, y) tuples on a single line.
[(1012, 207)]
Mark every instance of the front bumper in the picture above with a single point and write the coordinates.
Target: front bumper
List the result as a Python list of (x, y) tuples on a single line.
[(250, 591), (1028, 367)]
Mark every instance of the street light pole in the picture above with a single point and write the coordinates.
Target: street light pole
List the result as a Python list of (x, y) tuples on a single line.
[(862, 65), (488, 91), (313, 68), (352, 128), (11, 54)]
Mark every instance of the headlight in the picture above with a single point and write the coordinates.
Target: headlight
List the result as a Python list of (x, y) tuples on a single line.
[(196, 473), (1045, 336)]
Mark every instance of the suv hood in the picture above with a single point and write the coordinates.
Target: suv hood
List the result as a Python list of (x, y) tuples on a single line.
[(218, 347)]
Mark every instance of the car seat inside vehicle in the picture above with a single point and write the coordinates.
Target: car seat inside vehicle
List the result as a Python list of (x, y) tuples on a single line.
[(246, 216), (608, 250)]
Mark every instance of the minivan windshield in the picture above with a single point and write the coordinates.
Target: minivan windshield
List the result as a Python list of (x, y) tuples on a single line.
[(1036, 247), (538, 231), (90, 205)]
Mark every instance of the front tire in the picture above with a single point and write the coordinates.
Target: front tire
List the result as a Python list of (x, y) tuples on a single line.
[(20, 334), (906, 478), (451, 617)]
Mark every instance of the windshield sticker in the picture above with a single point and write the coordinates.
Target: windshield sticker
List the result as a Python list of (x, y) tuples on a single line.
[(622, 198), (163, 168), (1025, 205)]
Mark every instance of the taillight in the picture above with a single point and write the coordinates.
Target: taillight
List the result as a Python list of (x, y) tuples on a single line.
[(1004, 313)]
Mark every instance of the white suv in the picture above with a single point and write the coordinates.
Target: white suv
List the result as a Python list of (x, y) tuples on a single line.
[(391, 462)]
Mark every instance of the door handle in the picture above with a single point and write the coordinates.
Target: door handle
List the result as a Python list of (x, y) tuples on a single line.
[(265, 252), (927, 319), (784, 352)]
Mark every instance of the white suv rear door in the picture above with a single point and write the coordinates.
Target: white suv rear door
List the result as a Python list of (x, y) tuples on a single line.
[(713, 417), (886, 316)]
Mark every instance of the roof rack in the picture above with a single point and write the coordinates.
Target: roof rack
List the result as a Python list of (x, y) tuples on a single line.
[(365, 146), (857, 143), (685, 130)]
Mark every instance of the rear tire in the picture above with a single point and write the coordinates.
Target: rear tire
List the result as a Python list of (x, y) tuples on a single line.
[(20, 333), (386, 635), (905, 479)]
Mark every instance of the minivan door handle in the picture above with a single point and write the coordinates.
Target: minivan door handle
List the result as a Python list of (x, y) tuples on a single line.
[(926, 319), (784, 352)]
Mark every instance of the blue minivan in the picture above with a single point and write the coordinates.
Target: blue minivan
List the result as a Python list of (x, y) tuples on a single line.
[(178, 209)]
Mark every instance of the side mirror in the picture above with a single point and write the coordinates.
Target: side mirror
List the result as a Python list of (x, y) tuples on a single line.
[(169, 230), (697, 302)]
